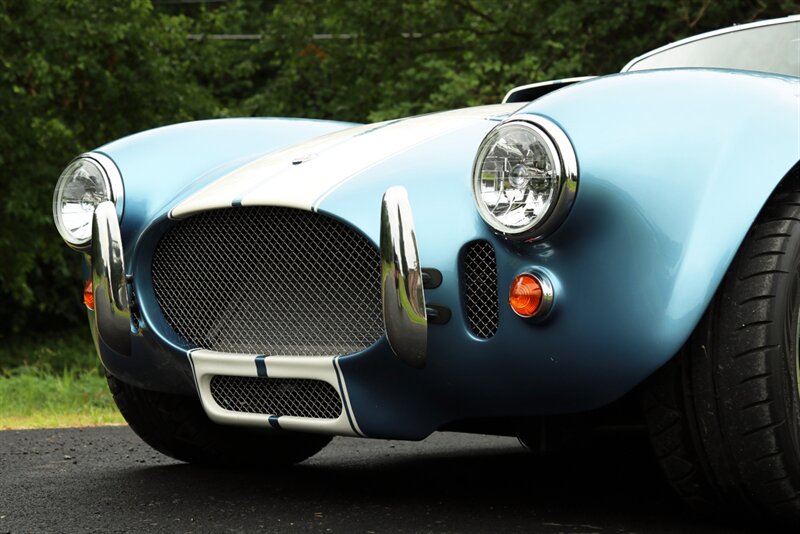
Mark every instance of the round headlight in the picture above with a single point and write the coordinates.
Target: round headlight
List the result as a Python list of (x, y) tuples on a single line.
[(525, 177), (86, 182)]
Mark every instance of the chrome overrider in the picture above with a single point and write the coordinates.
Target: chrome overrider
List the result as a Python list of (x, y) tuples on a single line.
[(111, 308), (401, 280)]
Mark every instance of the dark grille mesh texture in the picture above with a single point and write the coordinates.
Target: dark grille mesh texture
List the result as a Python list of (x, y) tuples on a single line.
[(480, 288), (277, 396), (266, 280)]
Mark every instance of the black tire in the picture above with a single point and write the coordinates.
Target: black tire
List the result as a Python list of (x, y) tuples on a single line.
[(177, 426), (724, 414)]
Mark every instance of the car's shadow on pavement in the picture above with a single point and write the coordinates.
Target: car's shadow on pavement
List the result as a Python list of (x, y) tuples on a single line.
[(615, 485), (106, 480)]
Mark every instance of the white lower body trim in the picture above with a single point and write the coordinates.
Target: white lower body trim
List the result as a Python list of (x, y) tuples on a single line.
[(206, 364)]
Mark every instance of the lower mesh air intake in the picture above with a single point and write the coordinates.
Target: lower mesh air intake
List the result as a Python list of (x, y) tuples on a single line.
[(277, 396)]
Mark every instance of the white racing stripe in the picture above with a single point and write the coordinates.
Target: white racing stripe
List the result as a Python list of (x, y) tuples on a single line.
[(328, 162)]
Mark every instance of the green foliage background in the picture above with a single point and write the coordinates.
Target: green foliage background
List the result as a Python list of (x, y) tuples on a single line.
[(75, 74)]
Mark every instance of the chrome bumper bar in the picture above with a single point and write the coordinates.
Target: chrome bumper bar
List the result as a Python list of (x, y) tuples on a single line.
[(112, 313), (404, 314)]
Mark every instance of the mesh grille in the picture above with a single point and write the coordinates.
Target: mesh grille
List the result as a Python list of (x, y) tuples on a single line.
[(277, 396), (266, 280), (480, 288)]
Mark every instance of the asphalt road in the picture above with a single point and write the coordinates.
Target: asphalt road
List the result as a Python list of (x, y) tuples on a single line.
[(106, 480)]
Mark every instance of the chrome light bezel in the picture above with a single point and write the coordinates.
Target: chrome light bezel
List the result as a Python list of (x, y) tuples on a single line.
[(565, 164), (112, 179)]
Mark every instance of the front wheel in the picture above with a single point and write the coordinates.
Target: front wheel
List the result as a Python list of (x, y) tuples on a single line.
[(724, 415), (177, 426)]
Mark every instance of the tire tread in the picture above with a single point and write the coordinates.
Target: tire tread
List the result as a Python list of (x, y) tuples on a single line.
[(724, 405)]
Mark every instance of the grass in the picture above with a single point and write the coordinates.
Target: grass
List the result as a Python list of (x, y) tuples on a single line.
[(53, 380)]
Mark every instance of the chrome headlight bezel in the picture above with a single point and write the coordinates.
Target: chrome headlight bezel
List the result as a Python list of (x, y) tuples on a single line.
[(565, 166), (112, 184)]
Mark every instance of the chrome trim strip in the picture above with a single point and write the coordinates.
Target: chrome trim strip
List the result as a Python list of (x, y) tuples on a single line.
[(113, 176), (401, 280), (565, 82), (740, 27), (111, 309), (569, 176)]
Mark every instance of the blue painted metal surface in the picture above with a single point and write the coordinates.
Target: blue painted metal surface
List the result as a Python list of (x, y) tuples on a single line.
[(161, 166), (674, 167)]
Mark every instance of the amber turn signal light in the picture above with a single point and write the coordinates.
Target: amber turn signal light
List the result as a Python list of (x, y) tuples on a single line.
[(531, 295), (88, 295), (526, 295)]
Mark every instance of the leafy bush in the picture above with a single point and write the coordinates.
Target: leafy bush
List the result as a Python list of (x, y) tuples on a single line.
[(353, 60), (74, 75), (78, 73), (51, 352)]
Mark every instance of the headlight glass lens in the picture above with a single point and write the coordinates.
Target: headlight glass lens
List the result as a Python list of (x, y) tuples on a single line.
[(80, 188), (517, 177)]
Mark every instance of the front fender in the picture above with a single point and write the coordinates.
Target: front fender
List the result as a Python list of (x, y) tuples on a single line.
[(675, 166)]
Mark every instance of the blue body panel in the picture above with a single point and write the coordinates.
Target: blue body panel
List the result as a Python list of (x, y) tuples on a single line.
[(674, 167)]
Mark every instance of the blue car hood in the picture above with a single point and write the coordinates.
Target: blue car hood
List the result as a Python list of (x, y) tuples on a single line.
[(304, 175)]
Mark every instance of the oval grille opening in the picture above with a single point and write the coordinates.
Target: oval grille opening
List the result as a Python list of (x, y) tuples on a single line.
[(268, 280), (480, 289), (276, 396)]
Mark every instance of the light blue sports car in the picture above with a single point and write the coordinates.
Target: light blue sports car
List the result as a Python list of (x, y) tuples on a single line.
[(618, 246)]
